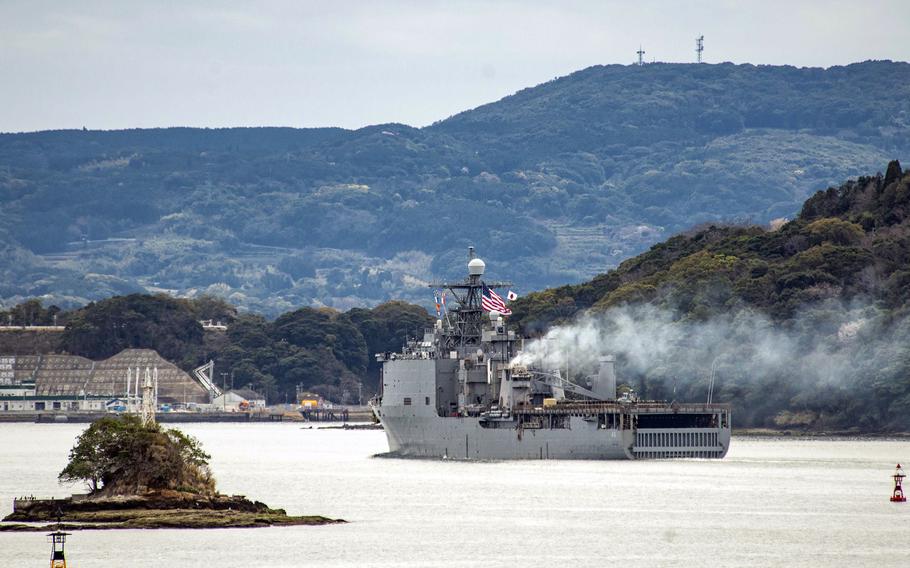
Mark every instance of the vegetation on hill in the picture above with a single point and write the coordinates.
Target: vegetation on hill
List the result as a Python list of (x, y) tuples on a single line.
[(32, 312), (809, 320), (105, 328), (321, 350), (318, 349), (553, 184)]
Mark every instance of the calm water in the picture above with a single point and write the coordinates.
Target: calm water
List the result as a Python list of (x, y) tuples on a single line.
[(770, 502)]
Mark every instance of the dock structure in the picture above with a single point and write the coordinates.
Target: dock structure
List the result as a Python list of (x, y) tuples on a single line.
[(322, 414)]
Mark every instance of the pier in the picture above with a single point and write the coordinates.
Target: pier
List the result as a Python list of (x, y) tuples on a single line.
[(325, 414), (337, 414)]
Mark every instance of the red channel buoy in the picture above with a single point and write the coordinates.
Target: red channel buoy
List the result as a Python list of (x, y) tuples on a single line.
[(898, 495)]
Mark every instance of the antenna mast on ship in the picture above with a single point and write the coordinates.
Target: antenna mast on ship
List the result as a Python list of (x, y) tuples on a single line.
[(467, 325)]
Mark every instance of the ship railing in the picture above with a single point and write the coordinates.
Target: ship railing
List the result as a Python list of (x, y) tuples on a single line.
[(688, 407), (407, 355), (584, 408)]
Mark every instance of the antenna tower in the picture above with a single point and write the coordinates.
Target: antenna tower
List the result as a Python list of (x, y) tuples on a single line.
[(640, 53), (149, 398), (699, 46)]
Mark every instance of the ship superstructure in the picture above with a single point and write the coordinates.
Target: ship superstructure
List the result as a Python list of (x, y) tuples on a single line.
[(458, 392)]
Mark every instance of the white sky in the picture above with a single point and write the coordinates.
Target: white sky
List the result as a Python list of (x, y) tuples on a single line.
[(125, 64)]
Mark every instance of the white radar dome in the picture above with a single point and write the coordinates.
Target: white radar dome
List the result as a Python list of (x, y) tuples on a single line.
[(476, 267), (494, 315)]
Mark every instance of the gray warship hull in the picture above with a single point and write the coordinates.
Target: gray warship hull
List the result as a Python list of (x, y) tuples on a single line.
[(415, 413), (466, 438)]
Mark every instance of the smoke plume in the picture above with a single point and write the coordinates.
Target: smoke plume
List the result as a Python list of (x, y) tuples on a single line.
[(826, 360)]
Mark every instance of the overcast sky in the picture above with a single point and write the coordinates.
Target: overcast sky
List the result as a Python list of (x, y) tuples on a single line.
[(126, 64)]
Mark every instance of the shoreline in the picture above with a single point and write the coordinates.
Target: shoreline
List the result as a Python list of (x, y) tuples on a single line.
[(818, 434), (176, 418), (367, 424), (161, 510), (175, 522)]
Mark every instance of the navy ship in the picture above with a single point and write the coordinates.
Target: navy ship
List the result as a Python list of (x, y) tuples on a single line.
[(458, 392)]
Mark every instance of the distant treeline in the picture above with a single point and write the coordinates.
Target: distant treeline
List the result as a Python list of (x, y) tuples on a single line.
[(319, 349)]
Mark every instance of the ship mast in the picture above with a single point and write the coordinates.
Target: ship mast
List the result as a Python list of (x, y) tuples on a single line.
[(467, 327)]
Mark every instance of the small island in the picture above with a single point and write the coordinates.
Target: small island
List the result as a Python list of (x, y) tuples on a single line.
[(141, 475)]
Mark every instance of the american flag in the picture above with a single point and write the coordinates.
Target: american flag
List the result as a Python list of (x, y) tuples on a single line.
[(490, 301)]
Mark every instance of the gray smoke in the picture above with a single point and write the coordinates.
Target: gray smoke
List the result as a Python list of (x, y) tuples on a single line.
[(813, 359)]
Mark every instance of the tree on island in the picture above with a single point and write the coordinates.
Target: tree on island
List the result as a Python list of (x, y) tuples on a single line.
[(121, 456)]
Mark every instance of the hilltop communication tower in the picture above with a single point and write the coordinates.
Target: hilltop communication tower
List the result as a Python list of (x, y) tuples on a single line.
[(699, 47), (640, 53)]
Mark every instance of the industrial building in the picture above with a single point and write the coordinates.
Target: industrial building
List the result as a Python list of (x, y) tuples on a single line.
[(235, 400), (72, 383)]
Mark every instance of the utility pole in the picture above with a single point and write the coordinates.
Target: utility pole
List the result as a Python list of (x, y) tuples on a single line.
[(224, 394), (641, 54)]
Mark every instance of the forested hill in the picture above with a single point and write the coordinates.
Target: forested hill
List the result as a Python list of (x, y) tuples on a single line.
[(803, 324), (553, 185)]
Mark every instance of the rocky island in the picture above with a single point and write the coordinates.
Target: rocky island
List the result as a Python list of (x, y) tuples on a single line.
[(141, 475)]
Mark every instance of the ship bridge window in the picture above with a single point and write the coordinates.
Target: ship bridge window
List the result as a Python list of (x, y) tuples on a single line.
[(427, 400), (407, 401)]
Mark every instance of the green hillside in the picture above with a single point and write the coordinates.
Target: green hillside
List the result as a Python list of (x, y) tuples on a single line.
[(554, 184), (804, 324)]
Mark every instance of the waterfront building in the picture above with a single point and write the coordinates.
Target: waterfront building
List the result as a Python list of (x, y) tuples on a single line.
[(235, 400), (68, 383)]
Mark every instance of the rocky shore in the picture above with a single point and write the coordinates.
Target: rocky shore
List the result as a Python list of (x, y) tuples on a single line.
[(157, 510)]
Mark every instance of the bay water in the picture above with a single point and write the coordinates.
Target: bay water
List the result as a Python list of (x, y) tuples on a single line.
[(770, 502)]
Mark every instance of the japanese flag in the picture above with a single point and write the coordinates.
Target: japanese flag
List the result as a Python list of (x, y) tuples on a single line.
[(512, 296)]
